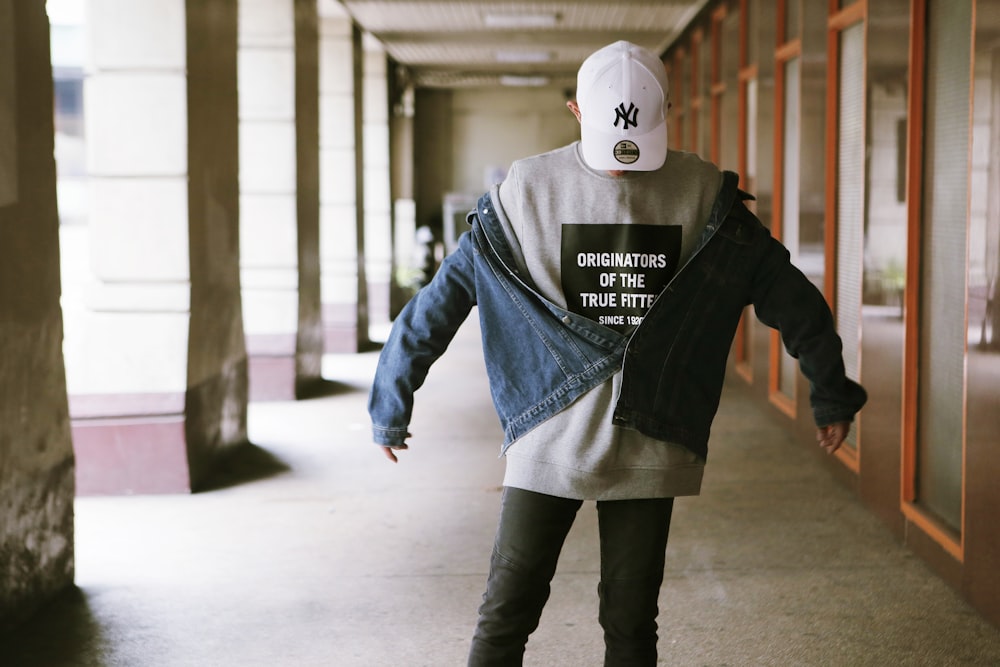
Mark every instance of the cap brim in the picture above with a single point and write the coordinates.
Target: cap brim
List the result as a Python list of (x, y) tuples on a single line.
[(619, 152)]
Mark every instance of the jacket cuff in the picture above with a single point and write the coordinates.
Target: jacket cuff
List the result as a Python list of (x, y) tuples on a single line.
[(389, 436), (853, 398)]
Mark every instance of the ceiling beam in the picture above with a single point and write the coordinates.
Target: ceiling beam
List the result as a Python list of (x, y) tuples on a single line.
[(566, 38)]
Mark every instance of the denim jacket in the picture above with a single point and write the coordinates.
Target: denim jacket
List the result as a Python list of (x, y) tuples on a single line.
[(541, 357)]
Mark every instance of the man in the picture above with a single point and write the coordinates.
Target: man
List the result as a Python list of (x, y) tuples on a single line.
[(610, 276)]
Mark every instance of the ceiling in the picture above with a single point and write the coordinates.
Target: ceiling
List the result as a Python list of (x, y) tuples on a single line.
[(482, 43)]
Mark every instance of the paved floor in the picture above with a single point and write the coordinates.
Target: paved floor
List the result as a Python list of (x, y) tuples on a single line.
[(315, 551)]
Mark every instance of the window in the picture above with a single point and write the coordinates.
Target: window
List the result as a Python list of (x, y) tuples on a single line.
[(846, 201), (954, 220), (787, 181), (728, 89)]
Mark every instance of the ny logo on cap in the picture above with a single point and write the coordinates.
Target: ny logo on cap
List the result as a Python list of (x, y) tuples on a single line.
[(627, 116)]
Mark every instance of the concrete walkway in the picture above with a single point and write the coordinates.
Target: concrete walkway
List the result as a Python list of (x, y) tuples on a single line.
[(314, 550)]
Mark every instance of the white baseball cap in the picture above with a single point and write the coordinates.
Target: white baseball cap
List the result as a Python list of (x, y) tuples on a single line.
[(622, 94)]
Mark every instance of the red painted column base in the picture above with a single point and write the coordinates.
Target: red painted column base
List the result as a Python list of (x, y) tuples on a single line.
[(130, 444)]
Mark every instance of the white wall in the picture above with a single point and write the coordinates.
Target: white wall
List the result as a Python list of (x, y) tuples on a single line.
[(494, 127)]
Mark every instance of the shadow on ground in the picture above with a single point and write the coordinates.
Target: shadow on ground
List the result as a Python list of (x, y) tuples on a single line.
[(63, 632), (323, 388), (245, 464)]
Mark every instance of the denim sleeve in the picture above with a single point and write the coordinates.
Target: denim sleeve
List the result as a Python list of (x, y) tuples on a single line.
[(784, 299), (420, 334)]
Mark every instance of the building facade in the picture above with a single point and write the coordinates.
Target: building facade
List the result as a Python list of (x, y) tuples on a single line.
[(869, 132)]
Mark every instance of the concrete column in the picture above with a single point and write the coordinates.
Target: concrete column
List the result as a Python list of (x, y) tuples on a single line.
[(268, 239), (309, 341), (157, 368), (406, 263), (344, 289), (217, 378), (378, 200), (36, 456)]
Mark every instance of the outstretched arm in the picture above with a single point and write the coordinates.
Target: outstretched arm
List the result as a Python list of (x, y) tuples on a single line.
[(419, 336), (784, 299)]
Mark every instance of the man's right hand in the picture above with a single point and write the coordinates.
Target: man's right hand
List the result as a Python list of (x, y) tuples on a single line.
[(390, 454)]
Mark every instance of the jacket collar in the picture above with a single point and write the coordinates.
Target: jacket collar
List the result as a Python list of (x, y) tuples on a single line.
[(496, 239), (728, 193)]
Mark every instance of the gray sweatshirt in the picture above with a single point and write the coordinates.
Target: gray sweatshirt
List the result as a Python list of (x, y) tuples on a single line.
[(603, 246)]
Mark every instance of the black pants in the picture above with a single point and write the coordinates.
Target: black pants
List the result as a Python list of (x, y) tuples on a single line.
[(532, 529)]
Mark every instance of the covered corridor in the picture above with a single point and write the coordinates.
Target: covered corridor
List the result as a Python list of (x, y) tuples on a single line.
[(186, 473), (312, 550)]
